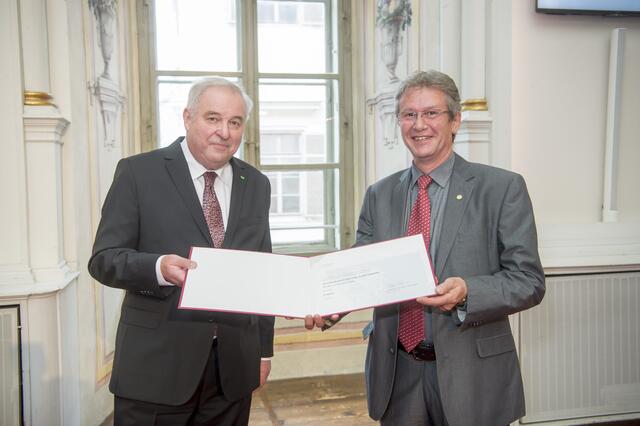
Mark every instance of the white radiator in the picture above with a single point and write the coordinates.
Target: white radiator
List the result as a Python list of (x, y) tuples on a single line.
[(580, 348), (9, 367)]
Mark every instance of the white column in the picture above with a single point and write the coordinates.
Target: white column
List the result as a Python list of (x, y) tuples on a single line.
[(473, 138), (43, 129), (472, 58), (450, 11), (14, 250)]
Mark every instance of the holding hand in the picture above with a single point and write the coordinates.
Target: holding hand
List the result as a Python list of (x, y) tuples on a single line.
[(265, 369), (450, 293), (320, 322), (174, 268)]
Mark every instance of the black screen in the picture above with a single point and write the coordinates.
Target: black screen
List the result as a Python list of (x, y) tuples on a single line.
[(590, 7)]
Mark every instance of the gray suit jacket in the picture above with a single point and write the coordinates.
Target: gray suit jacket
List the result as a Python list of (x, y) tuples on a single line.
[(489, 239), (152, 209)]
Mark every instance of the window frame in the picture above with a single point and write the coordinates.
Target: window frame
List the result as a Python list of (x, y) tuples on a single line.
[(248, 74)]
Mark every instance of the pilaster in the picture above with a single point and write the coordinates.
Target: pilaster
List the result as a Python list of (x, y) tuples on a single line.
[(43, 129), (473, 140)]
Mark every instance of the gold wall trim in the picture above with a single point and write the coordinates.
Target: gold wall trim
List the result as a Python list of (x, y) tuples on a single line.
[(475, 105), (37, 98)]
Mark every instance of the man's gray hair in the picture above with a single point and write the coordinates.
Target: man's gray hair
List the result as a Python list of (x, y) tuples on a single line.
[(199, 87), (436, 80)]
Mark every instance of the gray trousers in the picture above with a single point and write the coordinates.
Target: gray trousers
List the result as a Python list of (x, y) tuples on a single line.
[(415, 399)]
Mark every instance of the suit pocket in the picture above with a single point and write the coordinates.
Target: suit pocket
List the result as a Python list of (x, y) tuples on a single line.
[(495, 345), (140, 318)]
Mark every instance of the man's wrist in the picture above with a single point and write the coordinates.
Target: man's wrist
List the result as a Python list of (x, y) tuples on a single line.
[(161, 281)]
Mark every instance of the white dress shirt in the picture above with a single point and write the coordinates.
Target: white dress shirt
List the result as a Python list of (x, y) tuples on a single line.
[(222, 186)]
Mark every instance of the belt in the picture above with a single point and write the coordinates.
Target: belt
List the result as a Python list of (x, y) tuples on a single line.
[(423, 352)]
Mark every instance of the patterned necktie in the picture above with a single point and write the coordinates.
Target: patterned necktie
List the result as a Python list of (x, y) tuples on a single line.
[(411, 329), (212, 211)]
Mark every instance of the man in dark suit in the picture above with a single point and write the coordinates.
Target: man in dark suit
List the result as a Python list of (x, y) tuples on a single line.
[(176, 366), (451, 358)]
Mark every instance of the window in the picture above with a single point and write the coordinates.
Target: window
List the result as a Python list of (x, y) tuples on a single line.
[(288, 57)]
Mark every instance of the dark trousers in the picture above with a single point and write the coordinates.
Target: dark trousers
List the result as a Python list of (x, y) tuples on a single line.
[(208, 406), (415, 398)]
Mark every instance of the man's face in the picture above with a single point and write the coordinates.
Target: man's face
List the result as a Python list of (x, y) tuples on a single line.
[(426, 128), (214, 128)]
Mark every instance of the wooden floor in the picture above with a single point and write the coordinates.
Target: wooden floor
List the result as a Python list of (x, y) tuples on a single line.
[(326, 401), (329, 400)]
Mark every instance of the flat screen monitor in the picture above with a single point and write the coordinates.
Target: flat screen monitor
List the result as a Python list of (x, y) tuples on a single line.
[(590, 7)]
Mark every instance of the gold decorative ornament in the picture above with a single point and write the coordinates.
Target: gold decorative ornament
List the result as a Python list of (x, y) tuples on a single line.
[(37, 98), (475, 105)]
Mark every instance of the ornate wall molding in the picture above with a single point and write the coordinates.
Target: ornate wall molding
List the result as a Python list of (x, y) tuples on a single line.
[(37, 98), (47, 128), (475, 105), (105, 14), (384, 105), (392, 18), (111, 101), (473, 140), (105, 88)]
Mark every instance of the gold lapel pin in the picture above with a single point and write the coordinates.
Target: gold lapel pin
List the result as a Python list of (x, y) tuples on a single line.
[(459, 197)]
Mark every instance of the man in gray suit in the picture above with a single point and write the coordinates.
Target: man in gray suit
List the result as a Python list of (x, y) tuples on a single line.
[(477, 221), (173, 366)]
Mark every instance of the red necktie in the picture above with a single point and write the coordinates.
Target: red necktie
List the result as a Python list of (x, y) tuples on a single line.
[(411, 329), (212, 211)]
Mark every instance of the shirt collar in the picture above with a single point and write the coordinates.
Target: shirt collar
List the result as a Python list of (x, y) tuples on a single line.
[(440, 174), (196, 169)]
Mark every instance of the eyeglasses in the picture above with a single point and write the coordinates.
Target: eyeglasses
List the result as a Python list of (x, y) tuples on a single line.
[(412, 116)]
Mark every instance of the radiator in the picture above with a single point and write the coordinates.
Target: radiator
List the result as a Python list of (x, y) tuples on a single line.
[(580, 348), (9, 367)]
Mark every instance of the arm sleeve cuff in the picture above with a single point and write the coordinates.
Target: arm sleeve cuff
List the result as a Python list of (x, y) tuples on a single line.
[(161, 281)]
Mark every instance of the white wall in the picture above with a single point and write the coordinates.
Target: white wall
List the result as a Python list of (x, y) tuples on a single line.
[(559, 102)]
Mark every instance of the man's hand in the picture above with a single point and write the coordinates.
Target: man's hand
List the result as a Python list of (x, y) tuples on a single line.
[(265, 369), (317, 321), (174, 268), (449, 293)]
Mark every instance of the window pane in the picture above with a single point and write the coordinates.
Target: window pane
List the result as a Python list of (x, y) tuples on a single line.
[(303, 206), (290, 44), (313, 13), (290, 204), (197, 35), (172, 98), (296, 115), (266, 12), (288, 13), (291, 183), (269, 145)]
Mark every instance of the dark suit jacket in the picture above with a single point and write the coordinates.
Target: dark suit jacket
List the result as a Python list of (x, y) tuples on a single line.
[(152, 209), (489, 239)]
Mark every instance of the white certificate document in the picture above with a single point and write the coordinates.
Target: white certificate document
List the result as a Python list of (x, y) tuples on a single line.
[(280, 285)]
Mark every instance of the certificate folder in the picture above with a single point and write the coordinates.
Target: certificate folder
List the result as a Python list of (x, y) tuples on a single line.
[(292, 286)]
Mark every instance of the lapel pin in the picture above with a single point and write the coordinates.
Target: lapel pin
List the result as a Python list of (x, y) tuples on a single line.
[(459, 197), (241, 177)]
